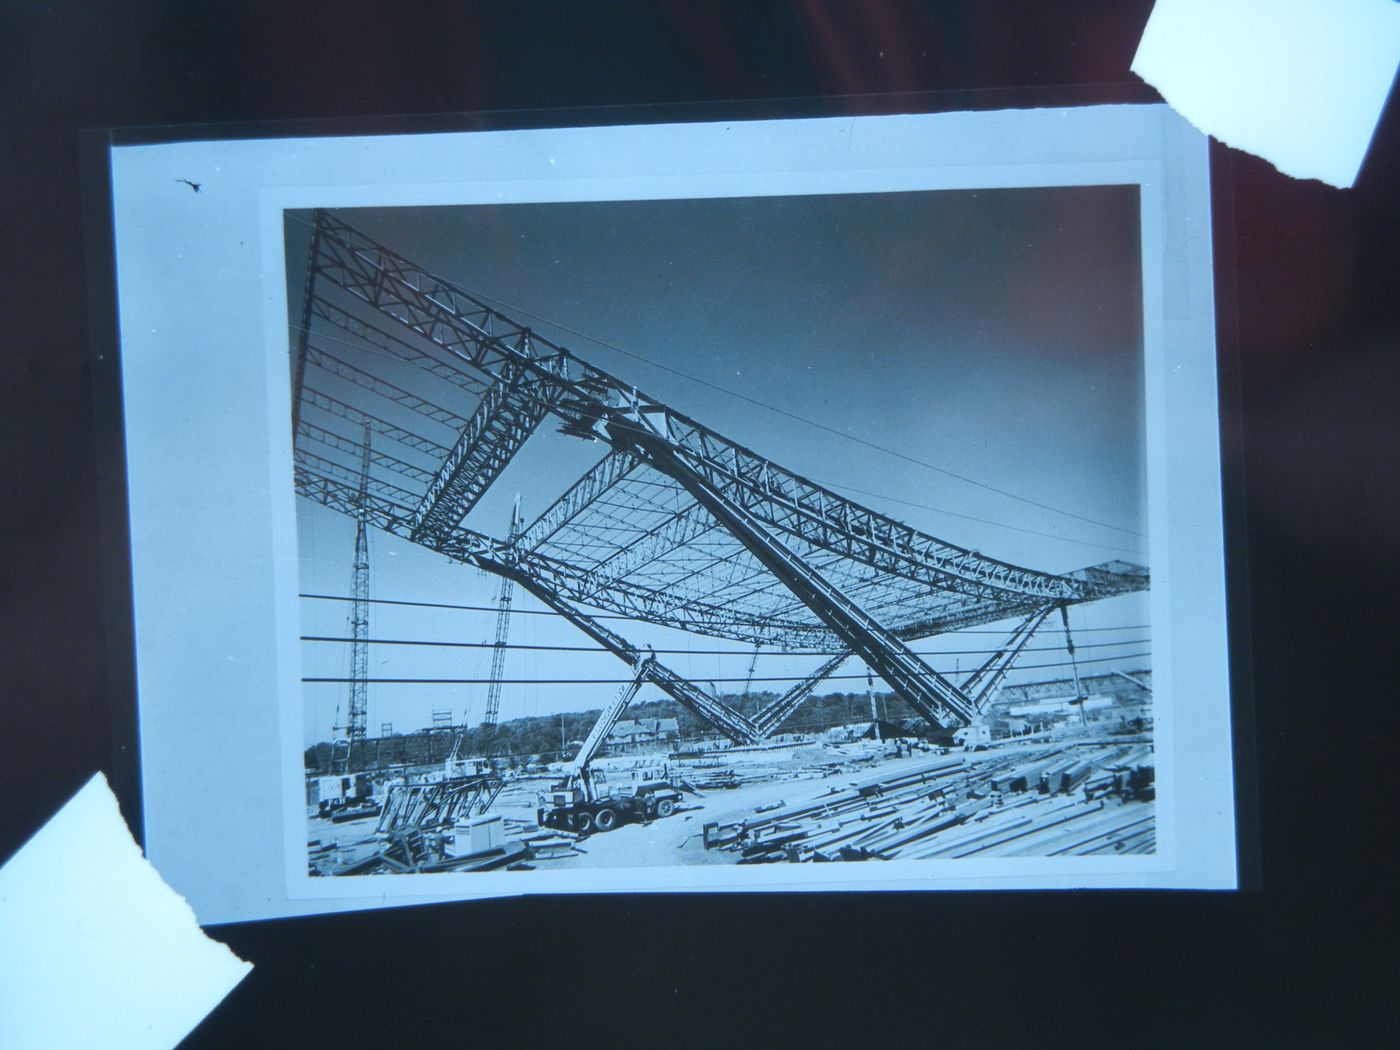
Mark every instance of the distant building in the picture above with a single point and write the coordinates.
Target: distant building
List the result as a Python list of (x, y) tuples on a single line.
[(1041, 706), (642, 734), (1123, 687)]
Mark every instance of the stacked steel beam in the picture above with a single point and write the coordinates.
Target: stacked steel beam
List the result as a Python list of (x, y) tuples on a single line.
[(1051, 801)]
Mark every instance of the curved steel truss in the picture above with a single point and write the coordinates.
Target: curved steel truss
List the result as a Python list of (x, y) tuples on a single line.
[(674, 525)]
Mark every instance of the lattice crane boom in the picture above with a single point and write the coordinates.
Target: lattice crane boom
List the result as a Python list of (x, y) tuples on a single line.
[(498, 650)]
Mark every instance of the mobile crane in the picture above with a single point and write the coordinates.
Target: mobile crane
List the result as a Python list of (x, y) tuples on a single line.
[(577, 804)]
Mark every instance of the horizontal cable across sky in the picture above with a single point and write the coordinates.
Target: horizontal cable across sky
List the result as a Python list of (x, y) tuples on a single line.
[(614, 616), (712, 681), (746, 654)]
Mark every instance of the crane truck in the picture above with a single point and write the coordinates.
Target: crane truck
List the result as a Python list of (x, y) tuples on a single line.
[(580, 803)]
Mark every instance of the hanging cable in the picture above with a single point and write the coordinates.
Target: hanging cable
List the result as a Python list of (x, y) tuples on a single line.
[(710, 681)]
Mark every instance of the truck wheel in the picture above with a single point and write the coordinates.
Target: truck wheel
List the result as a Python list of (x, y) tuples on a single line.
[(584, 823), (605, 819), (665, 807)]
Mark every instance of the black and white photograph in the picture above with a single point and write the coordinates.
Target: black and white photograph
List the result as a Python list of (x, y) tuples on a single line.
[(743, 524), (759, 530), (798, 504)]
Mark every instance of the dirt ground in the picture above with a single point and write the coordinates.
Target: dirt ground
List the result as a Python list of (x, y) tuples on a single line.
[(678, 839)]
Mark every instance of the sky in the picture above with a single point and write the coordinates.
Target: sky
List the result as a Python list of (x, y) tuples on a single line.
[(993, 334)]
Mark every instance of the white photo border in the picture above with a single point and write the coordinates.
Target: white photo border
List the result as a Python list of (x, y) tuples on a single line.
[(212, 510)]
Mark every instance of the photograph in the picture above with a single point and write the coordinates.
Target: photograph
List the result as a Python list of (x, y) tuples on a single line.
[(722, 530), (767, 505)]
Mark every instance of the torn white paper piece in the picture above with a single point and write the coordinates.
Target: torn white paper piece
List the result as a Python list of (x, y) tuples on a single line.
[(95, 949), (1297, 82)]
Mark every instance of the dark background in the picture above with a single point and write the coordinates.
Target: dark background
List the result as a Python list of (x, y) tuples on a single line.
[(1311, 326)]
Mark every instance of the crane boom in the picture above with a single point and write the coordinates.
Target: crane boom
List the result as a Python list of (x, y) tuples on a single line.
[(578, 770), (608, 719)]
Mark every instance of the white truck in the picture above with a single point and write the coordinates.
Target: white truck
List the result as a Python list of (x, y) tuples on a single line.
[(581, 801)]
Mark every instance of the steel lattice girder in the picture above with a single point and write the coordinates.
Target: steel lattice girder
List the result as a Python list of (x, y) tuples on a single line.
[(485, 339), (471, 331), (646, 556), (324, 310), (578, 497), (507, 416), (570, 581), (720, 715), (359, 377), (982, 683), (781, 709), (984, 679), (334, 406), (923, 688), (319, 435)]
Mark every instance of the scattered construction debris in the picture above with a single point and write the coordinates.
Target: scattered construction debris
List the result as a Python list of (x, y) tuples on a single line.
[(1058, 798), (437, 804)]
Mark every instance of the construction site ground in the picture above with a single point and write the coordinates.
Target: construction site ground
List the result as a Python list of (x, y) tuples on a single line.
[(770, 785)]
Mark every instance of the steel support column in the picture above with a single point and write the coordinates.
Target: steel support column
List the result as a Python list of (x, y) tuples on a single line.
[(988, 677), (729, 722), (780, 710), (924, 689)]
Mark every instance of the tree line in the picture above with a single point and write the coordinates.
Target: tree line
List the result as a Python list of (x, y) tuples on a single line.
[(552, 738)]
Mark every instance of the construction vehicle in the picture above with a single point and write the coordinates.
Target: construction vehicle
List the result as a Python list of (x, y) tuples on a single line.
[(581, 801)]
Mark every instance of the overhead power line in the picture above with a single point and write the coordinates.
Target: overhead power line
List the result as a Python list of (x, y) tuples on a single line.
[(704, 652), (716, 681), (620, 616)]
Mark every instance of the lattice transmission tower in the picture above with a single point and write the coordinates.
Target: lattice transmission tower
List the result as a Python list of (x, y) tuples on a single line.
[(498, 651), (357, 710)]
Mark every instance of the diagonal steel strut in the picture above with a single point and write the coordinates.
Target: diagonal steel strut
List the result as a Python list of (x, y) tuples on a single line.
[(984, 679), (780, 710), (923, 688), (987, 677), (728, 721), (508, 414)]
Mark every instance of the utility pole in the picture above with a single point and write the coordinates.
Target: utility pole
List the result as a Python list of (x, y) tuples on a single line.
[(870, 694)]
